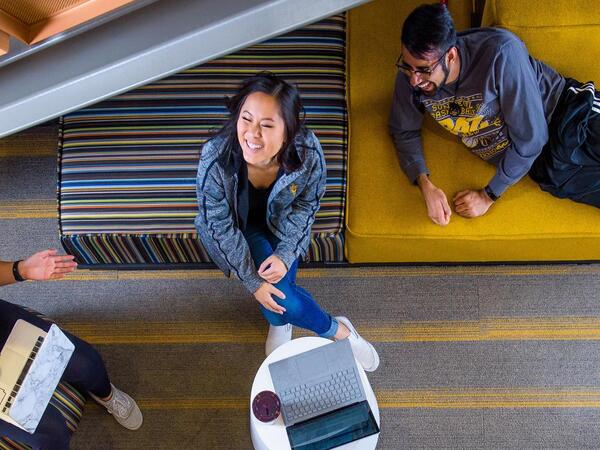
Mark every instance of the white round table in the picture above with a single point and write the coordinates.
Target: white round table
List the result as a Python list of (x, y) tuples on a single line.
[(273, 436)]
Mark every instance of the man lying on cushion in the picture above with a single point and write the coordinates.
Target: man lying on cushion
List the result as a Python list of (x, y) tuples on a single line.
[(507, 108)]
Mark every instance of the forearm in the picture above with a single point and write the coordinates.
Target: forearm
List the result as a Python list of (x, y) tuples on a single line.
[(410, 156), (511, 169), (525, 119), (435, 199), (289, 251), (232, 248), (298, 236), (6, 273), (405, 123), (304, 209), (423, 181)]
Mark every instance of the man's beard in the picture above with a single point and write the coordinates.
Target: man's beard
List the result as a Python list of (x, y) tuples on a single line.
[(436, 87)]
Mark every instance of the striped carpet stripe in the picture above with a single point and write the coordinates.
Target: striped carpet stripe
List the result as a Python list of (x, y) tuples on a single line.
[(345, 272), (492, 329), (470, 398), (569, 328), (443, 398), (35, 142), (17, 152), (28, 209), (128, 165)]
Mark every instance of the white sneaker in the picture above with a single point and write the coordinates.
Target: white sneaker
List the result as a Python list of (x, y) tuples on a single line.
[(278, 335), (363, 351), (123, 408)]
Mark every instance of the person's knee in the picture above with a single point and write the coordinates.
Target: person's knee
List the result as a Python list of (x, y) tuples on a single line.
[(85, 359), (57, 437), (260, 248), (61, 440), (83, 349), (293, 302), (86, 367), (274, 319)]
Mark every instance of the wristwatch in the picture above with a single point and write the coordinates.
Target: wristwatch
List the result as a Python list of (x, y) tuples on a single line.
[(15, 271), (490, 193)]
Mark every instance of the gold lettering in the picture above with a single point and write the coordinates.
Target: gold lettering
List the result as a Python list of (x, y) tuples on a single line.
[(461, 126), (447, 124), (475, 121)]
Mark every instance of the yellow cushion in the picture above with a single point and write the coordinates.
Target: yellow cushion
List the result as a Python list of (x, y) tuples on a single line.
[(386, 217), (564, 34)]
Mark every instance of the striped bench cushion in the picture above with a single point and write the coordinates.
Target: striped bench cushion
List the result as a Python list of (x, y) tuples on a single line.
[(127, 166)]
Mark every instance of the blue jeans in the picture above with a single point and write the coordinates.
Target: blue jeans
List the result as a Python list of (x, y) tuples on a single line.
[(301, 309)]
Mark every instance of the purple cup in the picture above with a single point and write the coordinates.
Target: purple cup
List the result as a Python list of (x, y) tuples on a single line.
[(266, 406)]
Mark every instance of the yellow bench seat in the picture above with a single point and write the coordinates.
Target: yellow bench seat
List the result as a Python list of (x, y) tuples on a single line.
[(386, 217)]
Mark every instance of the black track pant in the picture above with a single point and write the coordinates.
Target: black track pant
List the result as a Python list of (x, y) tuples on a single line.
[(569, 166), (85, 370)]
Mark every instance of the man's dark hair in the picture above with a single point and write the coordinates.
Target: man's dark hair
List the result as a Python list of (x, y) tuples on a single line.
[(428, 29)]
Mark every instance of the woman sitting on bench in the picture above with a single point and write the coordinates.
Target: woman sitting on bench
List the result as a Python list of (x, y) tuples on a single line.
[(260, 181)]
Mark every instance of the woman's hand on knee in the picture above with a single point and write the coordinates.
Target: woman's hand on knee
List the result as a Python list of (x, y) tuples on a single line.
[(272, 269), (264, 296)]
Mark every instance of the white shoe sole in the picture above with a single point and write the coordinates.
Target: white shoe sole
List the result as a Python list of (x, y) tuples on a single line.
[(283, 336), (372, 367)]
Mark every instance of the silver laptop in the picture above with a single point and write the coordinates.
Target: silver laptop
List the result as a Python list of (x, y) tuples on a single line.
[(31, 365), (322, 397)]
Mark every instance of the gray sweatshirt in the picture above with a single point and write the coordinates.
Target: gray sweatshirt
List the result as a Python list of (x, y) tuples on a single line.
[(506, 100), (291, 208)]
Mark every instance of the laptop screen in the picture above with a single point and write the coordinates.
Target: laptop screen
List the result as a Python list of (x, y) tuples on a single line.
[(334, 428)]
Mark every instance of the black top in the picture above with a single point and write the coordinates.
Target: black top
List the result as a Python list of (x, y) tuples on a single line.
[(251, 202), (257, 205)]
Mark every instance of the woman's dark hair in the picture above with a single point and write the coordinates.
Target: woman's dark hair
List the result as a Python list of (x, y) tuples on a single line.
[(291, 110), (429, 29)]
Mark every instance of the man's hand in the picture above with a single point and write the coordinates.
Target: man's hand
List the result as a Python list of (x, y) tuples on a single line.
[(46, 265), (438, 208), (263, 296), (272, 269), (472, 203)]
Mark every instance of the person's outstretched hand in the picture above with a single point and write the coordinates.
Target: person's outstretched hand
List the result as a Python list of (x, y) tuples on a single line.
[(46, 265), (472, 203), (438, 208), (272, 269), (264, 296)]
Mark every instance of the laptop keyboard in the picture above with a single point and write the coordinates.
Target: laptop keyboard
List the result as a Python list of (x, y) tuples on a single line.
[(19, 382), (310, 399)]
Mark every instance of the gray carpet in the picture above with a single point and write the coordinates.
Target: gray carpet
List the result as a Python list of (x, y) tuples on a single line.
[(472, 357)]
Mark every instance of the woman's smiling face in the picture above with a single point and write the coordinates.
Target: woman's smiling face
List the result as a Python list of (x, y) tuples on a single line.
[(260, 129)]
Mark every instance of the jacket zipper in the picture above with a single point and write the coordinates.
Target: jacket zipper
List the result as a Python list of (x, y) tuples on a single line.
[(235, 206)]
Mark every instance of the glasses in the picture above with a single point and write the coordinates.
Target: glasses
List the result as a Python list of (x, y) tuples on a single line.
[(422, 72)]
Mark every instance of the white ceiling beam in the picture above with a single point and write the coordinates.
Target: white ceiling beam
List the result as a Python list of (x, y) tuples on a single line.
[(145, 45)]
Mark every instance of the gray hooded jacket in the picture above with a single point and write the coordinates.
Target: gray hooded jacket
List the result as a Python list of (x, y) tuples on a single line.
[(291, 208)]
